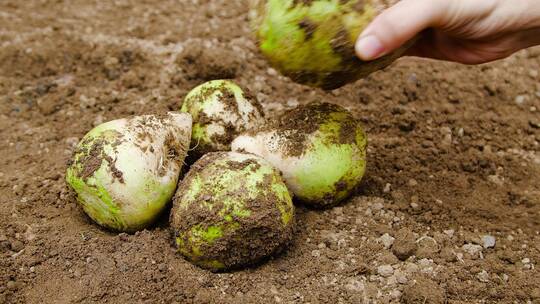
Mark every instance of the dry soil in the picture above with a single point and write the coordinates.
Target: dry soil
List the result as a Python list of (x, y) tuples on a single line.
[(449, 210)]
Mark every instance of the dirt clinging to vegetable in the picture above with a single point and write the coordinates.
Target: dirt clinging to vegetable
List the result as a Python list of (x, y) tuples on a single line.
[(254, 237)]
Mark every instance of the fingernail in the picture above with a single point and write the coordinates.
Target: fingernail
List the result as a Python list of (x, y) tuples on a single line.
[(369, 47)]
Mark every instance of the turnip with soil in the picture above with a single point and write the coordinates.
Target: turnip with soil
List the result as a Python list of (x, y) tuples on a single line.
[(320, 149), (124, 172), (231, 210), (312, 42), (221, 110)]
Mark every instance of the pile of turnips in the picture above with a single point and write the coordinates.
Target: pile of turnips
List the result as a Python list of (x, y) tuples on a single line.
[(234, 206)]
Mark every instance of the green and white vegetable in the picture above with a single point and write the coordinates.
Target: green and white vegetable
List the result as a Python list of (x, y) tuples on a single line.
[(312, 42), (320, 149), (231, 210), (221, 110), (124, 172)]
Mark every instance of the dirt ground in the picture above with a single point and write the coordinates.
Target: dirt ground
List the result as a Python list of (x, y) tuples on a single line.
[(448, 212)]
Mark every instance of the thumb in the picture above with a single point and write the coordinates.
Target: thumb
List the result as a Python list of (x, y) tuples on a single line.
[(398, 24)]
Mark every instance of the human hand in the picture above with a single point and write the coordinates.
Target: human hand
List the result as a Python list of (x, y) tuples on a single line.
[(465, 31)]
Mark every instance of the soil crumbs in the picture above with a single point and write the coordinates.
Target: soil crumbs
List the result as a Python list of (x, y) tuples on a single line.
[(448, 212)]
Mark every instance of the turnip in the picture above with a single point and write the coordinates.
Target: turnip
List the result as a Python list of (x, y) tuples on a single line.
[(312, 41), (231, 210), (124, 172), (221, 110), (320, 149)]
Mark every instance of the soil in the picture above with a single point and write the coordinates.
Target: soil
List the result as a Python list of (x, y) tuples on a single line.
[(294, 127), (453, 156)]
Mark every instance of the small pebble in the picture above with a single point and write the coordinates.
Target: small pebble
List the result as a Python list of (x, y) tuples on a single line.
[(385, 270), (162, 267), (401, 278), (387, 240), (413, 182), (520, 99), (483, 276), (497, 180), (425, 263), (72, 141), (411, 268), (271, 72), (526, 261), (377, 206), (395, 294), (488, 241), (472, 249), (449, 232)]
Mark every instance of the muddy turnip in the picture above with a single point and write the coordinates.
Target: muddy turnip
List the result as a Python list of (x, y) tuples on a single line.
[(124, 172), (221, 110), (231, 210), (320, 149), (312, 42)]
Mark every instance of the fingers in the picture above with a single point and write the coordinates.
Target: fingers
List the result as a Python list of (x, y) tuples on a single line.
[(398, 24)]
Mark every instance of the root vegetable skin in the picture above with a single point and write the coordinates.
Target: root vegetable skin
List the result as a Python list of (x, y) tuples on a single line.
[(221, 110), (231, 210), (125, 171), (312, 42), (328, 169)]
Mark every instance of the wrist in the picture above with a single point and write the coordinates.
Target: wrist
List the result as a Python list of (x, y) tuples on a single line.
[(530, 14), (528, 30)]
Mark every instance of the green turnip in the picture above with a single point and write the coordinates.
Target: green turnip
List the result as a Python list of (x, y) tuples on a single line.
[(231, 210), (124, 172), (221, 110), (320, 149), (312, 41)]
